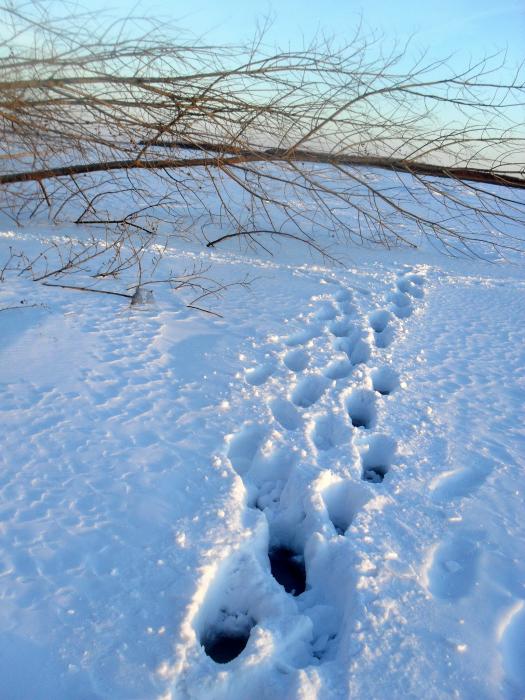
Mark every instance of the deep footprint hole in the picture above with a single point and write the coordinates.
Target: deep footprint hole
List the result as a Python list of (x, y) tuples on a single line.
[(223, 647), (375, 474), (377, 460), (361, 409), (379, 320), (309, 390), (343, 500), (288, 569), (385, 380), (360, 421)]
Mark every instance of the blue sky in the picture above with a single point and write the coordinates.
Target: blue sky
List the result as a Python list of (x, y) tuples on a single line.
[(464, 27)]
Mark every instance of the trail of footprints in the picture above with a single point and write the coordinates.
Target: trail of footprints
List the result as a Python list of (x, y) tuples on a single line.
[(322, 403)]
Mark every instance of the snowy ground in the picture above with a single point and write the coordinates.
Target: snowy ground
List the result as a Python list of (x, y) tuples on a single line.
[(364, 425)]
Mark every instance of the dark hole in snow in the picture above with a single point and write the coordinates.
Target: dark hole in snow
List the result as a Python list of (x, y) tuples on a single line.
[(224, 647), (288, 570), (360, 421), (374, 474)]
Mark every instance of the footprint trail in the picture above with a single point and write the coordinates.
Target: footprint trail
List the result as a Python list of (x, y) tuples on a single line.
[(317, 396)]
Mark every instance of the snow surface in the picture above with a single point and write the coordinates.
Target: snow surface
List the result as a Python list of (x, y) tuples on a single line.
[(363, 424)]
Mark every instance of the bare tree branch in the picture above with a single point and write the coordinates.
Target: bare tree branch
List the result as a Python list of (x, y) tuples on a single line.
[(148, 137)]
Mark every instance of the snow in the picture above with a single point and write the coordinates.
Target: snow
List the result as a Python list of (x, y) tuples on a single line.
[(170, 481)]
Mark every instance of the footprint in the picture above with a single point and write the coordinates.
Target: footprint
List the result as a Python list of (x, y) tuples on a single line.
[(378, 458), (338, 369), (345, 345), (343, 500), (360, 406), (399, 299), (385, 380), (379, 320), (343, 294), (244, 445), (268, 495), (285, 413), (288, 569), (385, 338), (454, 567), (303, 336), (309, 390), (457, 483), (326, 312), (328, 431), (512, 647), (361, 353), (356, 349), (402, 311), (296, 360), (348, 309), (416, 279), (401, 304), (231, 607), (340, 328), (273, 463), (222, 645), (407, 287), (258, 375)]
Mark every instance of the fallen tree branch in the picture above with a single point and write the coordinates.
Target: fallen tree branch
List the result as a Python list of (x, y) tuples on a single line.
[(88, 289), (268, 156)]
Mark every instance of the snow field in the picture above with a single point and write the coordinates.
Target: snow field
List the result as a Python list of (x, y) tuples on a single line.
[(318, 496)]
